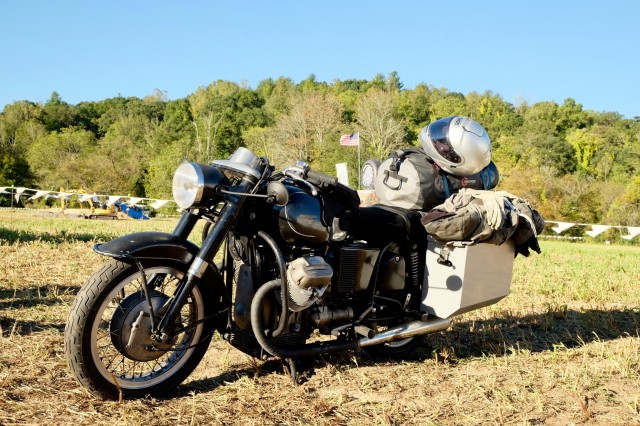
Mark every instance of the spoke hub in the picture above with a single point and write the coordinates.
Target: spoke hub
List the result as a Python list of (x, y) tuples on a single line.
[(130, 328)]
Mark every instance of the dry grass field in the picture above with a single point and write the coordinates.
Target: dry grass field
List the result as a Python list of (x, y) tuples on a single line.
[(563, 348)]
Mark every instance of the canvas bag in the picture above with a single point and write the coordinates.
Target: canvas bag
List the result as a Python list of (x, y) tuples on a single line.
[(408, 178), (476, 216)]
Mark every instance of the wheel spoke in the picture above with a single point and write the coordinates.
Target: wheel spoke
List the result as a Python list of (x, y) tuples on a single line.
[(114, 330), (140, 370)]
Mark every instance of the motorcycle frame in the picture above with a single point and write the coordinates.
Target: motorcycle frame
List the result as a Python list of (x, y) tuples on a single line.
[(131, 248), (200, 259)]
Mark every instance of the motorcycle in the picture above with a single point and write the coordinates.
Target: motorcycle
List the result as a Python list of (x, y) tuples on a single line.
[(290, 266)]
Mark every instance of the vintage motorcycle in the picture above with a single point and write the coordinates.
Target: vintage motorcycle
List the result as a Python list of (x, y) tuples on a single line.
[(290, 266)]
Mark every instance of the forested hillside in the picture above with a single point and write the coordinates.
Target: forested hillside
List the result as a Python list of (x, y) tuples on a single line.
[(572, 164)]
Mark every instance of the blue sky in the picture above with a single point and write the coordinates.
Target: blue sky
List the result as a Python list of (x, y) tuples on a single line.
[(524, 51)]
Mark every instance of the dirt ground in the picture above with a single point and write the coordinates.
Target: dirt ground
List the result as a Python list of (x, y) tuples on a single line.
[(554, 352)]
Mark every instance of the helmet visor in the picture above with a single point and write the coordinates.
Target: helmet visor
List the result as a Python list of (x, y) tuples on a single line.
[(439, 137)]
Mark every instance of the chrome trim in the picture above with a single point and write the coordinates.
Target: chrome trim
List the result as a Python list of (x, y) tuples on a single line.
[(198, 267), (404, 331), (242, 161)]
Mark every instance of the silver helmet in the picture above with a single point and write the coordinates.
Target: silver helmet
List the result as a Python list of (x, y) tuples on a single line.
[(459, 145)]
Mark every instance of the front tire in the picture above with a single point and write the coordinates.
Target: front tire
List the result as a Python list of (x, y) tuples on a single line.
[(99, 347)]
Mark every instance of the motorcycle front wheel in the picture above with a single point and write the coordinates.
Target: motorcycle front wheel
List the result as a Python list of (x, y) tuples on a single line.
[(108, 342)]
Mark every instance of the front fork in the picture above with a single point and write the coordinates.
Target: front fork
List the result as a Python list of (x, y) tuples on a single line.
[(210, 246)]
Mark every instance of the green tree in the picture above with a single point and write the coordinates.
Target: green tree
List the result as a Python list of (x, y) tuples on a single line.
[(161, 168), (496, 116), (506, 153), (573, 163), (265, 141), (392, 82), (381, 132), (450, 104), (585, 144), (220, 112), (87, 116), (311, 124), (311, 84), (58, 159), (115, 109), (57, 114), (626, 209), (14, 170), (541, 118), (414, 106), (177, 123), (539, 142), (571, 116), (551, 151), (580, 199), (277, 95), (19, 126), (119, 163)]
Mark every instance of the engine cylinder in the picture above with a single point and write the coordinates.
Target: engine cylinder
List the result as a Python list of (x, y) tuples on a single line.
[(308, 278)]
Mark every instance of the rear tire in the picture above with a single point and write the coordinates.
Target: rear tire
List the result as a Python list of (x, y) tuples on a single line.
[(99, 329), (398, 349)]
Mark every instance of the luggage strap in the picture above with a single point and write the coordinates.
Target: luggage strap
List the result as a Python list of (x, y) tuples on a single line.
[(397, 159), (487, 177)]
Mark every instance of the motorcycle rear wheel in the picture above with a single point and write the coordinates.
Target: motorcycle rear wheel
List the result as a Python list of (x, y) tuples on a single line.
[(99, 329), (396, 349)]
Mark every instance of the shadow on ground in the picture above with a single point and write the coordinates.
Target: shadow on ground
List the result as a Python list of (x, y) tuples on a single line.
[(13, 236), (469, 339), (12, 300), (539, 332), (45, 294)]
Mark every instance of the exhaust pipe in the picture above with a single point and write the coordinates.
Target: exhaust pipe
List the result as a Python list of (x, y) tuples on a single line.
[(399, 332), (404, 331)]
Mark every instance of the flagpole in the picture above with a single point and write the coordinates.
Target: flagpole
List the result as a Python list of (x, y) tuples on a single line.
[(359, 186), (351, 140)]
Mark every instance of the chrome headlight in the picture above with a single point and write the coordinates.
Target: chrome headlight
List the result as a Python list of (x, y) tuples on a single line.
[(194, 184)]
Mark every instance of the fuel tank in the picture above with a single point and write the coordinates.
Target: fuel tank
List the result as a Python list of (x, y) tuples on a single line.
[(300, 220)]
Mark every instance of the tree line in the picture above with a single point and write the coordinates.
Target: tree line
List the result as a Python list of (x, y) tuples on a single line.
[(572, 164)]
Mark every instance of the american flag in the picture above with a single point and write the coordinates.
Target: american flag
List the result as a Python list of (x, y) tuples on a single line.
[(350, 140)]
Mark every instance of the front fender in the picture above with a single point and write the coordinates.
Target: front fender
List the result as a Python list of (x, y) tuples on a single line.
[(149, 245), (160, 245)]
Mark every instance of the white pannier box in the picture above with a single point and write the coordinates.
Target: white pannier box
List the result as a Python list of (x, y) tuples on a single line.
[(459, 279)]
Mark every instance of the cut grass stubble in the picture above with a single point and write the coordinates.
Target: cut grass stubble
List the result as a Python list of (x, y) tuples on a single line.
[(562, 348)]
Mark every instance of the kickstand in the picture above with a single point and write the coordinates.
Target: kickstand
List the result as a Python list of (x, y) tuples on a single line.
[(291, 367)]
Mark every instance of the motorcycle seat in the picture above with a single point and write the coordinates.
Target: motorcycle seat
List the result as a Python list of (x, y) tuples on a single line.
[(381, 223)]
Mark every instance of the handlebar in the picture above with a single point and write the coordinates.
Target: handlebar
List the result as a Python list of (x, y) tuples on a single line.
[(321, 179), (302, 173)]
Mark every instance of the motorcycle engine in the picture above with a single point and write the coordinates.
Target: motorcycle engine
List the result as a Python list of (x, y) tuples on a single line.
[(308, 278)]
